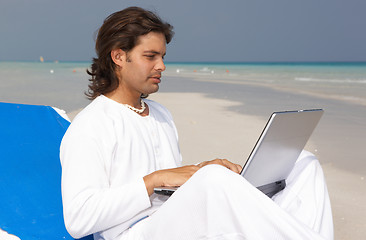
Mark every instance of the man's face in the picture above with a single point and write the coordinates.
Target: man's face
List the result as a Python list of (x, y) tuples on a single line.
[(143, 65)]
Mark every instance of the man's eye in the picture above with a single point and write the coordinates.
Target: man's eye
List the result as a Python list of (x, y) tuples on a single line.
[(150, 56)]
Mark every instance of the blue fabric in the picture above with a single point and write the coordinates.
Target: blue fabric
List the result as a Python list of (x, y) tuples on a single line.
[(30, 172)]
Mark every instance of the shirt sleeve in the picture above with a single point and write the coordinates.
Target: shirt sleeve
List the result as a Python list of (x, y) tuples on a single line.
[(90, 204)]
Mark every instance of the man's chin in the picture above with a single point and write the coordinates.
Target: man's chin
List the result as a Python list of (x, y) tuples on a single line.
[(152, 90)]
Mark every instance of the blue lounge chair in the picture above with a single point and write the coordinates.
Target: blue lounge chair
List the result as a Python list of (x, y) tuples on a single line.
[(30, 172)]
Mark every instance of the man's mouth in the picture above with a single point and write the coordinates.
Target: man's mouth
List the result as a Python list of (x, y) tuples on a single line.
[(156, 78)]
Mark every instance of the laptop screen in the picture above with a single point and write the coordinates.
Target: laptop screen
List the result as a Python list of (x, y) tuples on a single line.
[(280, 144)]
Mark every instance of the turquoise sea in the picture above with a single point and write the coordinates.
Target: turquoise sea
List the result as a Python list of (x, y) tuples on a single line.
[(343, 81)]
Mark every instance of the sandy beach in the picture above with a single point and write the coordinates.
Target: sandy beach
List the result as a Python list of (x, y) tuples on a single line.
[(224, 119)]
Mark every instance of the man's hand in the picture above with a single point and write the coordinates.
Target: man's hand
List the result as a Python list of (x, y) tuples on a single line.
[(169, 177), (224, 162)]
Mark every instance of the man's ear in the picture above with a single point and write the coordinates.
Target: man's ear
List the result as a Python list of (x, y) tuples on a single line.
[(118, 56)]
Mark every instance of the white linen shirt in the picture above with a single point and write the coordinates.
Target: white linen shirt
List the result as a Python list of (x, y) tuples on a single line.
[(105, 154)]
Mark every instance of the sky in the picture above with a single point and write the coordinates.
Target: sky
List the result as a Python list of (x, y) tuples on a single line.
[(205, 30)]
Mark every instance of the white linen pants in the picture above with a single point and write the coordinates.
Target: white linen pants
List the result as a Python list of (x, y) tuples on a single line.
[(219, 204)]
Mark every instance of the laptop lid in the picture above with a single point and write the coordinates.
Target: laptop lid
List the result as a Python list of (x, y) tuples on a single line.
[(279, 146)]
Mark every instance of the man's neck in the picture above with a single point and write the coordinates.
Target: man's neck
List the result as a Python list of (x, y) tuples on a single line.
[(124, 97)]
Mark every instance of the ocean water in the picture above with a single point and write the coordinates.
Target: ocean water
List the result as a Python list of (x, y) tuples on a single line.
[(343, 81)]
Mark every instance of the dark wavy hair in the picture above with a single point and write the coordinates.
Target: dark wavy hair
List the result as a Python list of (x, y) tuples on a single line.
[(120, 30)]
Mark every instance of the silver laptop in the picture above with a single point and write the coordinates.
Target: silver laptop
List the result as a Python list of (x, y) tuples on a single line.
[(276, 151)]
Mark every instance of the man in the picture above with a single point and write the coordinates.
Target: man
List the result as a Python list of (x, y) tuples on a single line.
[(122, 146)]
